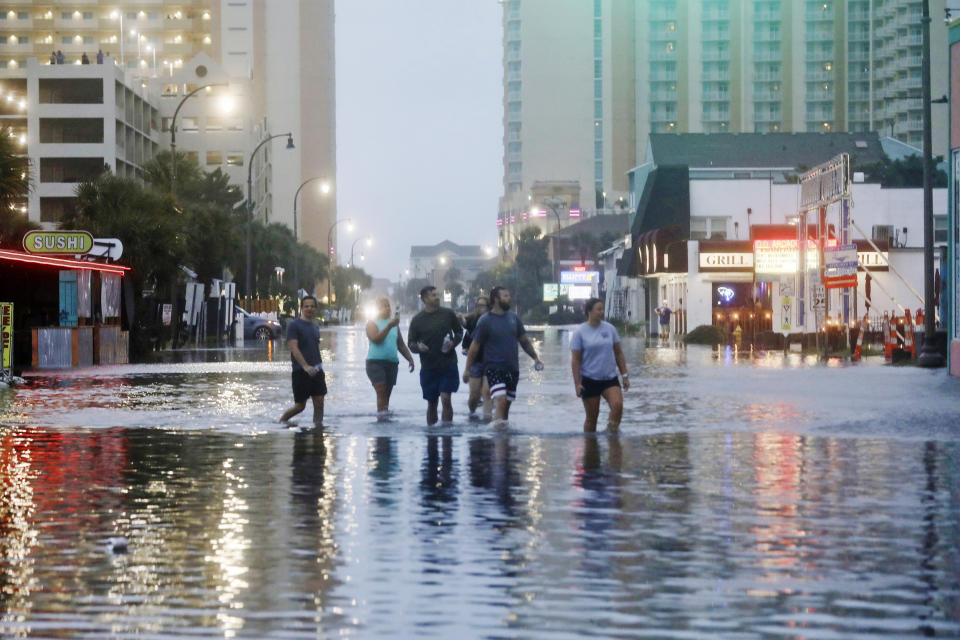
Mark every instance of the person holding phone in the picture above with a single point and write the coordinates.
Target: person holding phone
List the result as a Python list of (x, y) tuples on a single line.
[(382, 361)]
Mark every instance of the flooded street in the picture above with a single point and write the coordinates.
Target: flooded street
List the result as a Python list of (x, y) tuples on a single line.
[(745, 497)]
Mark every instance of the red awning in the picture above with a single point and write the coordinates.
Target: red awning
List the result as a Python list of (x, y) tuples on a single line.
[(61, 263)]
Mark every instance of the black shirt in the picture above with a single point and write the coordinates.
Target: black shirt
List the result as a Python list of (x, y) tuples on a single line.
[(430, 327)]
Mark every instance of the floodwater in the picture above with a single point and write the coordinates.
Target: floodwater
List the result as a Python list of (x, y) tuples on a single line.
[(744, 497)]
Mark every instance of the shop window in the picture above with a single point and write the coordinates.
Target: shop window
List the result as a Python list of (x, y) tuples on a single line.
[(235, 159), (214, 158)]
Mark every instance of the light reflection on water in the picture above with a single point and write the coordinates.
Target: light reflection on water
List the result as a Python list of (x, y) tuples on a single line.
[(745, 497)]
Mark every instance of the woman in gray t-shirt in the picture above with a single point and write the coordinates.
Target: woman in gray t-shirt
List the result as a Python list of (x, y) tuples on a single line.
[(595, 359)]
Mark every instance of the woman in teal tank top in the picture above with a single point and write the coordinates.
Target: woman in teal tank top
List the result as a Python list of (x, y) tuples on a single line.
[(382, 360)]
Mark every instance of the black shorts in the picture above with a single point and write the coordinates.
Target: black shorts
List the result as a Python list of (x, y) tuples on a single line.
[(502, 382), (306, 386), (595, 388), (382, 372)]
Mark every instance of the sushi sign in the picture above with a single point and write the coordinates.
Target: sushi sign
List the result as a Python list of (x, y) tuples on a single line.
[(72, 242)]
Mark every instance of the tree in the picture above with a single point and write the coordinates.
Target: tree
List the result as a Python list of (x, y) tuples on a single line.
[(15, 182), (905, 172), (345, 280), (151, 230), (531, 262), (411, 293)]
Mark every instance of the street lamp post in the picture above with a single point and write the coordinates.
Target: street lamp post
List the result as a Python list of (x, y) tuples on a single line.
[(249, 279), (173, 132), (556, 245), (368, 239), (330, 253), (325, 188), (929, 356)]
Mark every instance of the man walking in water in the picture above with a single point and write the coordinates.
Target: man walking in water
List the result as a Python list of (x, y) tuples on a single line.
[(303, 340), (664, 312), (434, 334), (497, 334)]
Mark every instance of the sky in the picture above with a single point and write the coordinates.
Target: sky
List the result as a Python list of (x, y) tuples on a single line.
[(419, 126)]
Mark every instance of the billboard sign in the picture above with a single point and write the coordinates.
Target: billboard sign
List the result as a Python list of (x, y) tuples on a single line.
[(780, 257), (579, 277), (840, 266), (73, 242), (6, 335)]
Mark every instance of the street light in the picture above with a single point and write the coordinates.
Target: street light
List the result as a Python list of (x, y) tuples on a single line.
[(330, 250), (249, 279), (556, 246), (325, 189), (929, 356), (369, 243), (173, 132)]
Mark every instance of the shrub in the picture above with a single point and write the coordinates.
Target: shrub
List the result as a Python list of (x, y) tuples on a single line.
[(565, 317), (706, 334)]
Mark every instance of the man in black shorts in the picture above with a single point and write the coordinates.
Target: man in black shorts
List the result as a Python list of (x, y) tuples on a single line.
[(497, 334), (303, 340), (435, 333)]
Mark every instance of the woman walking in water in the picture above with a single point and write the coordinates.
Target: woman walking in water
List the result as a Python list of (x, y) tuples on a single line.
[(595, 359), (382, 360)]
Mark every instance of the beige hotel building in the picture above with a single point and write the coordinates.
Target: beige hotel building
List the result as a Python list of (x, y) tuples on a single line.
[(277, 56)]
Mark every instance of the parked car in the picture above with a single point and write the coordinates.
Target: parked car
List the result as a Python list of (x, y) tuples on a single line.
[(257, 328)]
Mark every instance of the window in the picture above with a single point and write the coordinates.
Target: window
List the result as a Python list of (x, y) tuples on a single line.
[(188, 124), (88, 15), (66, 15), (214, 158), (23, 15), (235, 159), (87, 39), (702, 228), (23, 39), (939, 228), (214, 123), (170, 90)]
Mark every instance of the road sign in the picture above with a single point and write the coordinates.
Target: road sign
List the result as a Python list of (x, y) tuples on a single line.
[(840, 266), (73, 242), (818, 296)]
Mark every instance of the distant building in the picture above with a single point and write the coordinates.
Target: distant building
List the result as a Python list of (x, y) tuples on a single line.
[(585, 83), (433, 262)]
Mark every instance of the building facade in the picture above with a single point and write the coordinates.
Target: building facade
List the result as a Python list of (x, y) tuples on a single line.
[(585, 83), (277, 58)]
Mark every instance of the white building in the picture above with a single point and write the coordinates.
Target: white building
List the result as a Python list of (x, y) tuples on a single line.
[(694, 242), (74, 121)]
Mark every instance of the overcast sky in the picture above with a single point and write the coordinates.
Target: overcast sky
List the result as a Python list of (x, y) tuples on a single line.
[(419, 125)]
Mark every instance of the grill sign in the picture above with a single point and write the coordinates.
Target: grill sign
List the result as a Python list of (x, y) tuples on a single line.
[(73, 242)]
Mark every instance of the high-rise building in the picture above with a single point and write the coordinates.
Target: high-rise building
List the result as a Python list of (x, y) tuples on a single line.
[(586, 82), (277, 57)]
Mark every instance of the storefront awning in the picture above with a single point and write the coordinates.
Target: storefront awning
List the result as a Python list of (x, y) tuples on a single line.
[(61, 263)]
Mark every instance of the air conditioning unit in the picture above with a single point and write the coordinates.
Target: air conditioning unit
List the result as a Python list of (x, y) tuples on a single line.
[(883, 232)]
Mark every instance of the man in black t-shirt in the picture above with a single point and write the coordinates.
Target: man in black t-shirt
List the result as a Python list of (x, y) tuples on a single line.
[(435, 333), (303, 339)]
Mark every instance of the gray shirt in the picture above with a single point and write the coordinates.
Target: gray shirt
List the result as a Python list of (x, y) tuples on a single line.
[(595, 345), (307, 335), (496, 335)]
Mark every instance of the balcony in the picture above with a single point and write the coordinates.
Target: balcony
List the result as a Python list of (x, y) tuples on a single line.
[(715, 116), (661, 55), (858, 36), (667, 116), (663, 76), (715, 35), (819, 36), (663, 96), (819, 16), (819, 56), (767, 16), (767, 76), (818, 76), (716, 96), (766, 117), (767, 96), (716, 76), (767, 56), (910, 40), (766, 36), (715, 56), (715, 15)]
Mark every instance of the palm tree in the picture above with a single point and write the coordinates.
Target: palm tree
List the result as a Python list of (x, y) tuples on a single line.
[(15, 183)]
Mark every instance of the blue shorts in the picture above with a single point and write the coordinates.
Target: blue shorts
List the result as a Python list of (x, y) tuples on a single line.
[(476, 370), (437, 381)]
